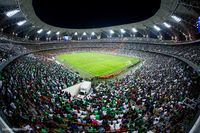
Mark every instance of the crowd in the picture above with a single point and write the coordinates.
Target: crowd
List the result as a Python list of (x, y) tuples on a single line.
[(188, 51), (9, 50), (31, 86), (148, 100), (130, 39)]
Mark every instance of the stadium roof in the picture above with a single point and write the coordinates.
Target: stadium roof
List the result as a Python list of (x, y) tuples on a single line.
[(174, 19)]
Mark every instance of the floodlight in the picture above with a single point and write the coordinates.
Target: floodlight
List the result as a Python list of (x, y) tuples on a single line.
[(157, 28), (39, 31), (167, 25), (112, 32), (134, 30), (84, 33), (122, 31), (20, 23), (177, 19), (57, 33), (49, 32), (12, 12)]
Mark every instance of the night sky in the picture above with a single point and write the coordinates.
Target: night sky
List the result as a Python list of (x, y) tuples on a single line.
[(94, 14)]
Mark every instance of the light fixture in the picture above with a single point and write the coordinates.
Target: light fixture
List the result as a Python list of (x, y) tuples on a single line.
[(57, 33), (112, 32), (49, 32), (122, 31), (157, 28), (75, 33), (84, 33), (39, 31), (177, 19), (134, 30), (20, 23), (12, 12), (92, 33), (167, 25)]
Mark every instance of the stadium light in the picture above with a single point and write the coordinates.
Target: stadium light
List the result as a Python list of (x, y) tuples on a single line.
[(20, 23), (177, 19), (134, 30), (39, 31), (112, 32), (84, 33), (122, 31), (92, 33), (49, 32), (167, 25), (75, 33), (57, 33), (12, 13), (157, 28)]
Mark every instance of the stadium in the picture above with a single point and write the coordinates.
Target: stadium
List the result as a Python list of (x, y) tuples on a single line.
[(133, 77)]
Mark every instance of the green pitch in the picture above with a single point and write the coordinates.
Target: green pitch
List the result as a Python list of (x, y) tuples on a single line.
[(96, 64)]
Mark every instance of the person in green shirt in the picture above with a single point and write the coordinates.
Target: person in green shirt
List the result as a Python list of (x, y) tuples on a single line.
[(90, 129), (44, 130)]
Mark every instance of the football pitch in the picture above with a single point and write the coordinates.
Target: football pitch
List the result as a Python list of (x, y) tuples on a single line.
[(92, 64)]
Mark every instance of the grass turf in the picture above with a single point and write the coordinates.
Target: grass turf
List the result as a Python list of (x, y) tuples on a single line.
[(96, 64)]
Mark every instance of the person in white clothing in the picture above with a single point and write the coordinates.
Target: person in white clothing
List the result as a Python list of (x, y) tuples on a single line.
[(112, 126), (117, 126)]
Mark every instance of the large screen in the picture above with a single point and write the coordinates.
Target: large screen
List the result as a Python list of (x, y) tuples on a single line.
[(67, 38)]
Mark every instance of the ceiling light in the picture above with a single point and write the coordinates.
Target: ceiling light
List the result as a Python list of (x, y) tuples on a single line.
[(122, 31), (112, 32), (134, 30), (12, 12), (157, 28), (177, 19), (75, 33), (167, 25), (84, 33), (39, 31), (57, 33), (92, 33), (20, 23), (49, 32)]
